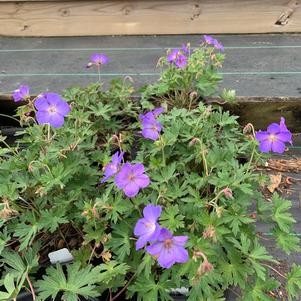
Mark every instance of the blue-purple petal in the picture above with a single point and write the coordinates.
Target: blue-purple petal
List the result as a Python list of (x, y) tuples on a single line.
[(278, 147), (273, 128)]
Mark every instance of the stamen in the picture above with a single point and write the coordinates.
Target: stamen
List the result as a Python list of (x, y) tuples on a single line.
[(168, 243)]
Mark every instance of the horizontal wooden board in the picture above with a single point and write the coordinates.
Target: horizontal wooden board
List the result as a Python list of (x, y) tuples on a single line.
[(110, 17)]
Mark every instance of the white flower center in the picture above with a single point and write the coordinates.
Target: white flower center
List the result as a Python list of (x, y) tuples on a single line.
[(150, 225), (272, 137), (52, 109)]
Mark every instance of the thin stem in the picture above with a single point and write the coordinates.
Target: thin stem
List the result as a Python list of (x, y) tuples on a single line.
[(111, 297), (48, 132), (92, 253), (4, 115), (162, 149), (277, 272), (254, 147), (31, 287), (98, 71), (251, 159), (205, 162), (124, 288), (9, 147), (63, 237)]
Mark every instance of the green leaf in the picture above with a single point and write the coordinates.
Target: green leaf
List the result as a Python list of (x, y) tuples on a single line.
[(79, 282), (259, 290), (148, 289), (26, 234), (52, 218), (288, 242), (146, 265), (280, 214), (14, 261), (9, 284), (293, 285), (171, 219), (110, 270), (120, 241)]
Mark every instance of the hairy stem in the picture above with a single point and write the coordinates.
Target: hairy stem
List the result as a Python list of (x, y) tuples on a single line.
[(31, 287), (124, 288)]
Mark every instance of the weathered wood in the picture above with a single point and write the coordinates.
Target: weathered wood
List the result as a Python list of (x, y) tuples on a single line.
[(76, 18), (263, 111)]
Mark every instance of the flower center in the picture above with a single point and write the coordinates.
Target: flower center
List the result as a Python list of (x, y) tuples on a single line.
[(131, 177), (149, 225), (272, 138), (113, 167), (167, 243), (52, 109)]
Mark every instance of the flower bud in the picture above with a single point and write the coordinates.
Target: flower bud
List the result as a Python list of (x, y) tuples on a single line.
[(247, 129), (193, 141), (205, 267), (228, 193), (210, 233)]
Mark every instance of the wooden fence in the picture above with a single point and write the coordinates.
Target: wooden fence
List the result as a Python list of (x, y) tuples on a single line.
[(113, 17)]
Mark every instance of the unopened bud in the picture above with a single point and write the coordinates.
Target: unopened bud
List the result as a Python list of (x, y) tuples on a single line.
[(85, 213), (30, 167), (205, 267), (253, 215), (228, 193), (94, 212), (248, 128), (210, 232), (193, 141)]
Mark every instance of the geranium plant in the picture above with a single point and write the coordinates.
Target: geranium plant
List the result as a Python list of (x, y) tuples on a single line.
[(148, 196)]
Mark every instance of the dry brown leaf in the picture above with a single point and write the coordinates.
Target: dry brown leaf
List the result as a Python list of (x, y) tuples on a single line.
[(275, 182)]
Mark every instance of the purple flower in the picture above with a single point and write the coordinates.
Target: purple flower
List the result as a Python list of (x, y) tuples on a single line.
[(150, 126), (112, 167), (274, 138), (21, 94), (169, 249), (131, 178), (185, 49), (211, 41), (208, 39), (147, 228), (158, 111), (172, 56), (218, 45), (181, 61), (98, 59), (283, 127), (51, 109)]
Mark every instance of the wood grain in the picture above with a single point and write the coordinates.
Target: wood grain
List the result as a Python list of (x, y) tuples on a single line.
[(77, 18)]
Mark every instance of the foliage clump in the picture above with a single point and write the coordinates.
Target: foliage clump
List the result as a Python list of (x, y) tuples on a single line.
[(200, 169)]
